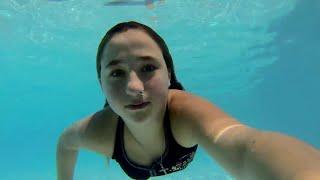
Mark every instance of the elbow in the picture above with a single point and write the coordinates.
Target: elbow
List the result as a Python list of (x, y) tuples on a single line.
[(62, 144), (63, 141), (69, 139)]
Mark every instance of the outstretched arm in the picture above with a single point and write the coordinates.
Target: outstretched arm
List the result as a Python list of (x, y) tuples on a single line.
[(245, 152)]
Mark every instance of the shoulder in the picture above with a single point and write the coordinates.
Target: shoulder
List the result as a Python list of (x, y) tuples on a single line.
[(95, 132), (194, 117)]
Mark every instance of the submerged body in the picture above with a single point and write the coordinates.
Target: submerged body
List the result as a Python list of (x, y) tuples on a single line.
[(147, 113), (101, 133), (246, 153)]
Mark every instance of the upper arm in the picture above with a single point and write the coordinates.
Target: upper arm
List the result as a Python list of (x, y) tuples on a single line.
[(95, 132), (73, 136), (204, 121)]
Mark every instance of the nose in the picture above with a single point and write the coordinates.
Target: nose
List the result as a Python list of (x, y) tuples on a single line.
[(135, 85)]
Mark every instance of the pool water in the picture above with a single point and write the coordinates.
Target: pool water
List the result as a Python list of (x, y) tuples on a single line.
[(259, 61)]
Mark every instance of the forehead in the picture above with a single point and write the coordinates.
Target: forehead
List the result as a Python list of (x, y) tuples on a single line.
[(131, 43)]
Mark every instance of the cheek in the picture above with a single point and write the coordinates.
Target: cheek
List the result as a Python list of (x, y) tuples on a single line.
[(158, 86), (114, 97), (104, 87), (110, 90)]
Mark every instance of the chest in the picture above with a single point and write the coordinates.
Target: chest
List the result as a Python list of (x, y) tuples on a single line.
[(174, 158), (175, 137)]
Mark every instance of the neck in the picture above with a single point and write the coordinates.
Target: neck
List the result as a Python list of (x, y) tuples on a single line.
[(150, 131)]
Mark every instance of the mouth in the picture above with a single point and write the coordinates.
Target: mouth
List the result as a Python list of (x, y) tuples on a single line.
[(136, 106)]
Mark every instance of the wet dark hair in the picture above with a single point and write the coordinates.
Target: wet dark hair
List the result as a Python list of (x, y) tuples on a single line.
[(125, 26)]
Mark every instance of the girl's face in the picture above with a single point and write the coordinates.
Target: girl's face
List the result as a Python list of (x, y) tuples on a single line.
[(133, 62)]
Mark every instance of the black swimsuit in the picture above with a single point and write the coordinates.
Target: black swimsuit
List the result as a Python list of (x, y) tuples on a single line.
[(175, 157)]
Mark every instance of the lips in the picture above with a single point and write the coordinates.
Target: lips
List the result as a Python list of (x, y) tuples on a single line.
[(138, 105)]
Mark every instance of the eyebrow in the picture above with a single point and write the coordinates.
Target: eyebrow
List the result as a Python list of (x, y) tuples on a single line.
[(115, 62)]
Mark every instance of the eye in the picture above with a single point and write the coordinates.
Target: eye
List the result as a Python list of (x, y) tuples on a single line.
[(116, 73), (149, 68)]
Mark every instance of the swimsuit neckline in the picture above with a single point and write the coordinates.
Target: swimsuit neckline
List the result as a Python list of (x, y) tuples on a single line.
[(158, 160)]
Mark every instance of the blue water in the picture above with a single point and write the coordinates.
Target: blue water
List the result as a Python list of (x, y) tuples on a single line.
[(259, 61)]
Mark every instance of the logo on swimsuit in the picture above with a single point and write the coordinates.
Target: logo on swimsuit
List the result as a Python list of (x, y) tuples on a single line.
[(183, 162)]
